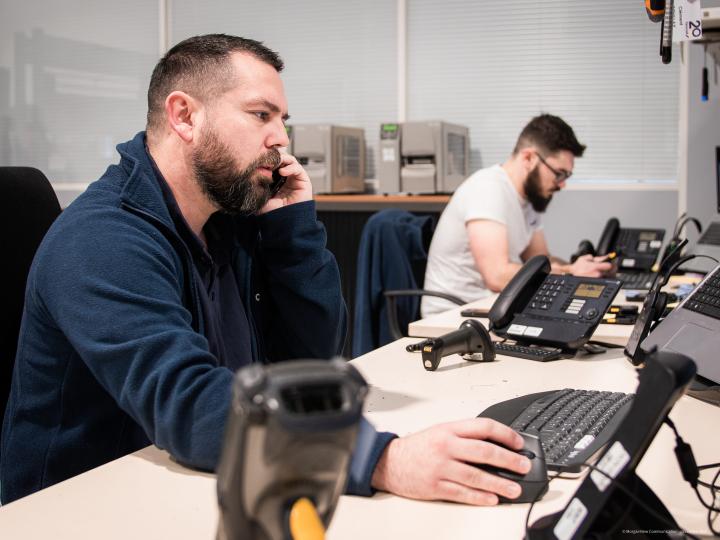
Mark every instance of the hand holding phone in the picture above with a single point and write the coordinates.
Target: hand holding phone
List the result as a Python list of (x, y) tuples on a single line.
[(290, 184)]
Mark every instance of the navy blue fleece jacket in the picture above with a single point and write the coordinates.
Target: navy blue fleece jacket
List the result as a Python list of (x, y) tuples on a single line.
[(112, 354)]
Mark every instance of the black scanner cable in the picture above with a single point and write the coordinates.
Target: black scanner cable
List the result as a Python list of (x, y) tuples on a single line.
[(691, 473), (416, 347), (536, 499)]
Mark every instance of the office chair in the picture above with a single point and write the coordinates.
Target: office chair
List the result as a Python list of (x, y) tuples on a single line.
[(391, 269), (28, 206)]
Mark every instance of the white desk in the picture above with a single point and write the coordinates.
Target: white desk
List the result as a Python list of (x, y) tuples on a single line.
[(447, 321), (146, 495)]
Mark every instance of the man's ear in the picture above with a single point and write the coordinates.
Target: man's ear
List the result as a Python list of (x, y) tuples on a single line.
[(181, 111), (529, 157)]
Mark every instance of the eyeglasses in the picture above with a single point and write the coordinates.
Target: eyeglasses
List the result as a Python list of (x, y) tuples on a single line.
[(560, 176)]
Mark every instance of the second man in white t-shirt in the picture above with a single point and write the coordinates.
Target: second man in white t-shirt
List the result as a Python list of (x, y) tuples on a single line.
[(492, 223)]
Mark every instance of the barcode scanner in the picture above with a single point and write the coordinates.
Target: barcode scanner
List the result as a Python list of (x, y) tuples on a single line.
[(290, 433), (470, 339)]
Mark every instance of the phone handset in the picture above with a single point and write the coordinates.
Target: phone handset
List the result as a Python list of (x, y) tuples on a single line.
[(278, 182), (609, 237), (515, 296), (606, 244)]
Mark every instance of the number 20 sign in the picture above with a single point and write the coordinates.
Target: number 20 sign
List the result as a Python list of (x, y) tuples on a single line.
[(687, 20)]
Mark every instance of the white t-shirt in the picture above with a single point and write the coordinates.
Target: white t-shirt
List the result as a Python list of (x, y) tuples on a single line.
[(487, 194)]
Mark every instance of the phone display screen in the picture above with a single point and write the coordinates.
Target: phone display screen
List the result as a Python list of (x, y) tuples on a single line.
[(589, 290), (647, 236)]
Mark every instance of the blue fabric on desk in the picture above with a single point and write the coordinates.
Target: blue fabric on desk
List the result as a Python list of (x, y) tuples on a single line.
[(391, 241)]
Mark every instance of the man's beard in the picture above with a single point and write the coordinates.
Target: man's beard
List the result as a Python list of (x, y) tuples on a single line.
[(236, 191), (533, 192)]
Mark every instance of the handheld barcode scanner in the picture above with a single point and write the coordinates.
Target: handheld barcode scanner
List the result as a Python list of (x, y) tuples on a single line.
[(290, 434), (470, 339)]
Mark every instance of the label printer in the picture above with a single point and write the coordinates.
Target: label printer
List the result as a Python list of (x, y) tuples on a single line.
[(333, 156), (423, 157)]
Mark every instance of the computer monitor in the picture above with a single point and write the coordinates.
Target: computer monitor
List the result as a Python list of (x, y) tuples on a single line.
[(717, 177)]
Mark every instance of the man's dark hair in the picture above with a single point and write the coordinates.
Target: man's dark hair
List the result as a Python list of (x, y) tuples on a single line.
[(201, 67), (550, 134)]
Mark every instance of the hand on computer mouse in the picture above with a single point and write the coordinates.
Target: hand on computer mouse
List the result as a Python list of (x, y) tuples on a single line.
[(441, 463), (534, 483)]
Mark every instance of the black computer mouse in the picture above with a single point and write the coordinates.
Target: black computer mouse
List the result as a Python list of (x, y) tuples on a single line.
[(534, 483)]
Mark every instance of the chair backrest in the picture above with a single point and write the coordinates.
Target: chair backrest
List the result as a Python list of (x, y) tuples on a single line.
[(28, 206), (392, 255)]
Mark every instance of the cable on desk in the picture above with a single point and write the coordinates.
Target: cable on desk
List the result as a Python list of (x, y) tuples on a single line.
[(536, 499), (714, 491), (705, 484), (606, 344), (416, 347), (691, 474)]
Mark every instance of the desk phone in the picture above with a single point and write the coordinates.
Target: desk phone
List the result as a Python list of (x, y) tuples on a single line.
[(541, 308), (636, 249)]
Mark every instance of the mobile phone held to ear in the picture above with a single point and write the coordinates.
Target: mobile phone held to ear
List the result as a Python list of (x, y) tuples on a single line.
[(278, 182)]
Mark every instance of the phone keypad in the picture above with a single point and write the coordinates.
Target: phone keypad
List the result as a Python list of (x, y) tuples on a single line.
[(546, 294)]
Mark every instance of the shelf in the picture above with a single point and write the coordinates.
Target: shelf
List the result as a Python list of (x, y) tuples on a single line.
[(366, 202)]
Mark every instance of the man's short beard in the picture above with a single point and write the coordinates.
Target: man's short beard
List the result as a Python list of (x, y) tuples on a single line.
[(236, 192), (533, 192)]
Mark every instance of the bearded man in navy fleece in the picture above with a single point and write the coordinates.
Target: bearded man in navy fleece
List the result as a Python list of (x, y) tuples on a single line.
[(179, 266)]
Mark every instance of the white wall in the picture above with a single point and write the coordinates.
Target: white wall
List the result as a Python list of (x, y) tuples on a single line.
[(697, 168), (576, 215)]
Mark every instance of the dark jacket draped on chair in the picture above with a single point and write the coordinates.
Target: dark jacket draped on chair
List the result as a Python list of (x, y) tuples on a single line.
[(392, 250)]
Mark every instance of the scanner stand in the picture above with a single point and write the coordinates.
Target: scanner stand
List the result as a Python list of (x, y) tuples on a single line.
[(607, 504), (621, 513)]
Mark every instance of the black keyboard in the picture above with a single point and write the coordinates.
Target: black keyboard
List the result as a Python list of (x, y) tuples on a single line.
[(706, 299), (711, 236), (636, 280), (528, 352), (571, 424)]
